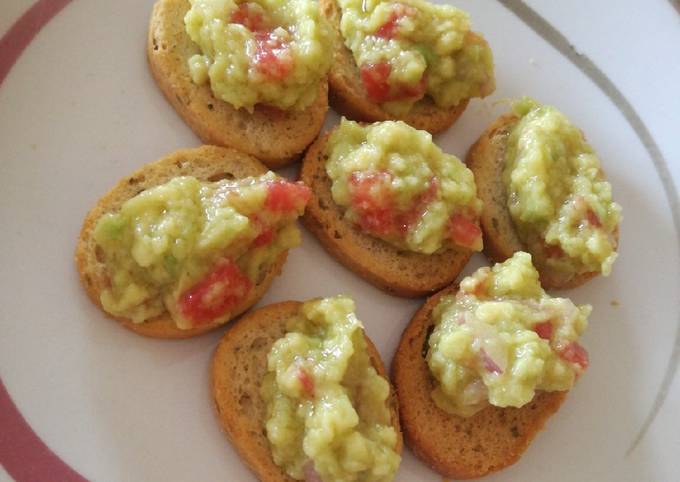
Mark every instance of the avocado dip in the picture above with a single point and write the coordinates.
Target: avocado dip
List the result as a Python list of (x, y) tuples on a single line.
[(327, 408), (412, 48), (196, 249), (396, 184), (558, 197), (501, 338), (273, 52)]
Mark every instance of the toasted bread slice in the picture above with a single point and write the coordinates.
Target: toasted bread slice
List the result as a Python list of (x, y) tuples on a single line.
[(207, 163), (274, 136), (454, 446), (238, 366), (348, 95), (486, 159), (403, 273)]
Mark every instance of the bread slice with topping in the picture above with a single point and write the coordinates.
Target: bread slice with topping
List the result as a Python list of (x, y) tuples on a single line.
[(207, 163), (274, 136), (454, 446), (403, 273), (486, 159), (238, 367), (348, 95)]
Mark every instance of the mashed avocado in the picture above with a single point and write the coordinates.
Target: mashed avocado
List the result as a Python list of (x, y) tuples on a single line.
[(195, 249), (501, 338), (327, 411), (557, 194), (396, 184), (266, 51), (412, 48)]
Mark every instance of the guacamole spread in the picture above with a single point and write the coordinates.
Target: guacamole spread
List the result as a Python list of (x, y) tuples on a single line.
[(195, 249), (397, 185), (327, 412), (501, 338), (409, 49), (558, 197), (266, 51)]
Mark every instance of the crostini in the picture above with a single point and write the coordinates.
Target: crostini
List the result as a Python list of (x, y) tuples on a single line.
[(302, 394), (544, 191), (189, 242), (391, 206), (480, 369)]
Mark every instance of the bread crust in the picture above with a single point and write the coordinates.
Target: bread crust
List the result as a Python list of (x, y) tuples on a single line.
[(349, 98), (457, 447), (486, 159), (204, 163), (402, 273), (274, 136), (238, 366)]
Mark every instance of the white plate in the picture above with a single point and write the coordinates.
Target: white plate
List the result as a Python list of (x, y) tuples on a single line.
[(79, 110)]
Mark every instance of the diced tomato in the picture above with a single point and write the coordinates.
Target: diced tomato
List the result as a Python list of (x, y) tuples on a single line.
[(265, 237), (248, 17), (388, 30), (488, 363), (576, 354), (214, 295), (413, 91), (307, 382), (553, 251), (273, 57), (405, 220), (544, 329), (593, 219), (465, 232), (374, 77), (284, 196), (372, 201)]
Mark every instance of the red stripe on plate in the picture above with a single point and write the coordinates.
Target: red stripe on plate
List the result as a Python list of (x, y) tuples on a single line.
[(24, 30), (23, 454)]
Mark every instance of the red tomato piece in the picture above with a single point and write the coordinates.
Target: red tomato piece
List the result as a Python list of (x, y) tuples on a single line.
[(553, 251), (374, 77), (576, 354), (544, 329), (388, 30), (248, 17), (214, 295), (284, 196), (464, 232), (273, 57), (372, 201), (593, 219), (405, 220), (414, 91), (307, 383), (265, 237)]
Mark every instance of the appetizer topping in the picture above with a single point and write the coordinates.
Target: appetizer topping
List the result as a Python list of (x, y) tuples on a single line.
[(558, 197), (328, 417), (196, 249), (267, 51), (501, 338), (409, 49), (397, 185)]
